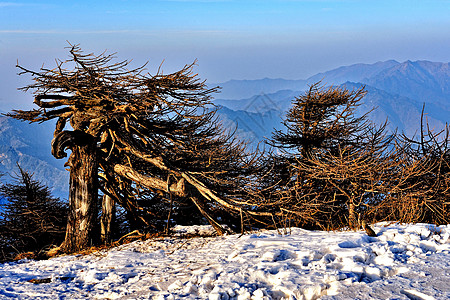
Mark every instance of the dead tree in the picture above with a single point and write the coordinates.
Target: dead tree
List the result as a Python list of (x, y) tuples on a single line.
[(355, 179), (341, 170), (132, 131), (321, 120), (336, 160)]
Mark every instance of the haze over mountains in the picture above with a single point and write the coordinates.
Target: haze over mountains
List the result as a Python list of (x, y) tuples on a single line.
[(256, 107), (397, 90)]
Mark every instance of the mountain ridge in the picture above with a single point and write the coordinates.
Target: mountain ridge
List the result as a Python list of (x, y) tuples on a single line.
[(438, 71), (353, 73), (399, 90), (417, 80)]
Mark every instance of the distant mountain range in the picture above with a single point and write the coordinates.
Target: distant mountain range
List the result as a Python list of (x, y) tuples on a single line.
[(255, 107), (242, 89), (29, 145), (421, 80), (417, 80), (397, 91)]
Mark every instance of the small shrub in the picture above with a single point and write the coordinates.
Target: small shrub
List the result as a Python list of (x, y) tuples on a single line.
[(31, 218)]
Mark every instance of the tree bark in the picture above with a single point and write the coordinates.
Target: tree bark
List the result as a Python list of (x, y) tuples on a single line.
[(177, 189), (107, 219), (83, 194), (352, 216)]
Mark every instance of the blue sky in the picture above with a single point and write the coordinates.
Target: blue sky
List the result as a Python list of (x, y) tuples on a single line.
[(231, 39)]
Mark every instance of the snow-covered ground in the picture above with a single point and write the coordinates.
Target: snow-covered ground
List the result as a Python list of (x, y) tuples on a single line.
[(402, 262)]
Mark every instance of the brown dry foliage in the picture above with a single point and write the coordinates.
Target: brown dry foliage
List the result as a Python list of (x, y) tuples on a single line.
[(337, 170)]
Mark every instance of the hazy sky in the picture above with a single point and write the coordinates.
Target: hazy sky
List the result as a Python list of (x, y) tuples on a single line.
[(234, 39)]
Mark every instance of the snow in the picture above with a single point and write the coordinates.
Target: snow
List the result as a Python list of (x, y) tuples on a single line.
[(405, 261)]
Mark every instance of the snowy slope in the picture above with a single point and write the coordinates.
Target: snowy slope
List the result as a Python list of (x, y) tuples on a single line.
[(402, 262)]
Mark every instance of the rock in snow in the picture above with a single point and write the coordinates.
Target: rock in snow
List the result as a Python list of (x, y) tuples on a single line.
[(402, 262)]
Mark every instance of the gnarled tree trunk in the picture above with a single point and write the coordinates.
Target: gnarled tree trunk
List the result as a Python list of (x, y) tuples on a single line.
[(83, 193)]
